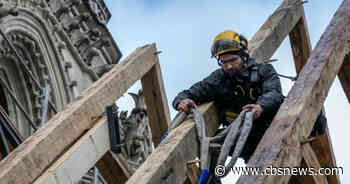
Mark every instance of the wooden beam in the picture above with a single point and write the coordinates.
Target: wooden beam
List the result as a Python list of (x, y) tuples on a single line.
[(167, 164), (304, 178), (157, 102), (93, 147), (113, 168), (300, 42), (38, 152), (344, 77), (297, 115), (325, 155), (80, 157), (311, 161), (301, 48), (193, 172), (274, 30), (187, 181)]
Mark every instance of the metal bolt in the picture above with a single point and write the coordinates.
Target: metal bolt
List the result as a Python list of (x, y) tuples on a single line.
[(158, 52), (307, 140)]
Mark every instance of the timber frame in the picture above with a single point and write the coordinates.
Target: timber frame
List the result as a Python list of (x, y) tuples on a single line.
[(292, 148), (53, 153)]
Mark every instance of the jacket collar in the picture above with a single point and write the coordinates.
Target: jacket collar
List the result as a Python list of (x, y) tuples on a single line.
[(245, 72)]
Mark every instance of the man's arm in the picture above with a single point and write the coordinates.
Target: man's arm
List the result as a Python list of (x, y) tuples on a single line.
[(201, 92), (272, 96)]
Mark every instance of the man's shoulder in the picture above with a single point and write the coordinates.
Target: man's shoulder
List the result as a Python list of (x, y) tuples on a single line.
[(266, 68), (215, 77), (217, 73)]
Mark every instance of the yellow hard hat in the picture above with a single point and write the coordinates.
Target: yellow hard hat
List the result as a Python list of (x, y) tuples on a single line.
[(228, 41)]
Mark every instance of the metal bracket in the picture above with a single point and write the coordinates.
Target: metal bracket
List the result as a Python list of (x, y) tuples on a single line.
[(113, 126), (288, 77)]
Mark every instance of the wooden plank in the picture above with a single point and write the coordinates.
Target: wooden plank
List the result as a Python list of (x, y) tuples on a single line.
[(80, 157), (274, 30), (193, 172), (302, 179), (311, 161), (113, 168), (300, 42), (91, 148), (156, 100), (187, 181), (36, 154), (325, 155), (344, 77), (296, 117), (167, 164), (301, 48)]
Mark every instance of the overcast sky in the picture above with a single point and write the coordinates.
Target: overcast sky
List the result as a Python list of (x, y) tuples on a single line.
[(184, 31)]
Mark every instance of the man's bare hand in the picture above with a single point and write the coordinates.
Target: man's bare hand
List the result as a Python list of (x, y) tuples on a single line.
[(255, 108), (183, 105)]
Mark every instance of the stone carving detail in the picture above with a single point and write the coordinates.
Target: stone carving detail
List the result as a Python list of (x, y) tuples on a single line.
[(33, 4), (31, 54), (136, 136), (65, 40), (5, 11), (61, 11), (84, 17), (98, 11)]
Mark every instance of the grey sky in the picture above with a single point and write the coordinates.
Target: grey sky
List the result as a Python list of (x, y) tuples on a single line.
[(184, 31)]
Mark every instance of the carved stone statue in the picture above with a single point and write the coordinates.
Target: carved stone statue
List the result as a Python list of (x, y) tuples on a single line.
[(136, 135)]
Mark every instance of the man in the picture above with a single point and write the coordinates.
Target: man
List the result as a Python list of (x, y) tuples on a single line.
[(239, 83)]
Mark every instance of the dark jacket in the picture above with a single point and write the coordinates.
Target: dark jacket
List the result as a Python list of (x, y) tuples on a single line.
[(256, 84)]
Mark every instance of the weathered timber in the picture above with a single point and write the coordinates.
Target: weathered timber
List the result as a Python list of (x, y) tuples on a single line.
[(164, 165), (309, 167), (80, 157), (167, 164), (296, 117), (187, 181), (274, 30), (300, 42), (113, 168), (92, 147), (301, 48), (325, 155), (344, 77), (39, 151), (193, 173), (312, 162), (302, 179), (156, 101)]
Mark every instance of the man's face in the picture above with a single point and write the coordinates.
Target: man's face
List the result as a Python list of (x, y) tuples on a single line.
[(231, 63)]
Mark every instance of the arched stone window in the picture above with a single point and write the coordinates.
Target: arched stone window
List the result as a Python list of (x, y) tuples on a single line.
[(35, 45)]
